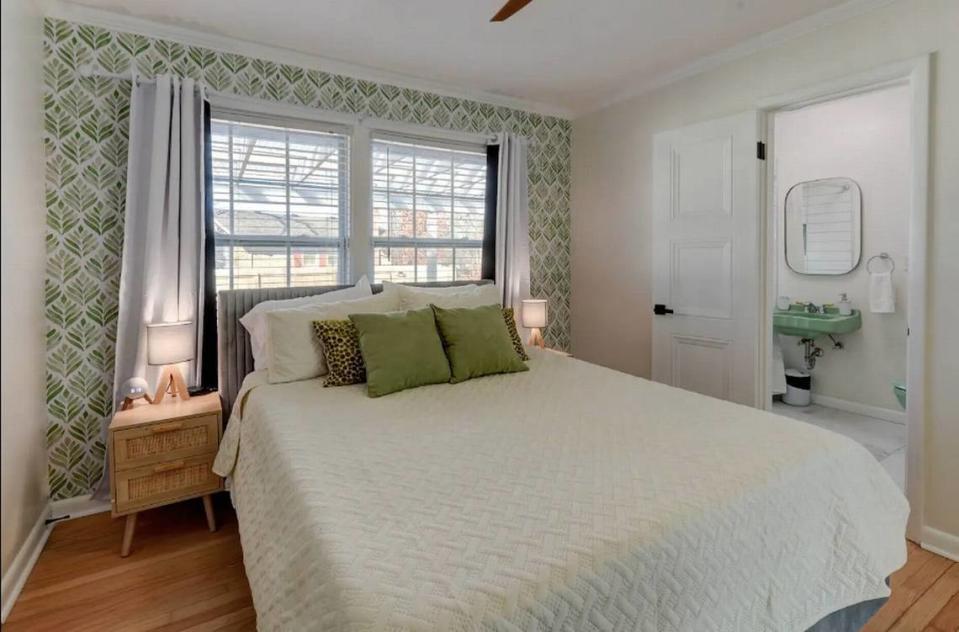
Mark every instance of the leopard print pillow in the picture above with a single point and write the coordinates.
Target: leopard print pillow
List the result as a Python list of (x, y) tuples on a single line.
[(341, 346), (513, 334)]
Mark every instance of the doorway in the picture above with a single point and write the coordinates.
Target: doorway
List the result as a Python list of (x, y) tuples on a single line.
[(845, 231), (716, 255), (841, 211)]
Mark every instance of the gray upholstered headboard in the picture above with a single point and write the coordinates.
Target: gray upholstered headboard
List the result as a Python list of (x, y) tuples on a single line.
[(233, 341)]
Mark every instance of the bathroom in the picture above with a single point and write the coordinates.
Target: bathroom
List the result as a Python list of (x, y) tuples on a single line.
[(842, 190)]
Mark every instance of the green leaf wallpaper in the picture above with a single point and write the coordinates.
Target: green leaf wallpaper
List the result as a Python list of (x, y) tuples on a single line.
[(85, 139)]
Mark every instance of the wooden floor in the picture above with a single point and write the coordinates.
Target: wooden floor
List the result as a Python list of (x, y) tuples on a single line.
[(179, 576)]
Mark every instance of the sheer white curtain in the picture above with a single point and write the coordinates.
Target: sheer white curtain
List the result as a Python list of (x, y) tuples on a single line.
[(162, 278), (512, 221)]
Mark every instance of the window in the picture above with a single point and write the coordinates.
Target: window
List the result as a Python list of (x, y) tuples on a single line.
[(429, 206), (280, 204), (282, 211)]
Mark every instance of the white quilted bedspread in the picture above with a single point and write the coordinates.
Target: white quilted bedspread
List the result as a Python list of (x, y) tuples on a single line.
[(570, 497)]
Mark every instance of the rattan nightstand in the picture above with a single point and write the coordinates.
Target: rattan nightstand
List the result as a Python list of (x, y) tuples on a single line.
[(162, 454)]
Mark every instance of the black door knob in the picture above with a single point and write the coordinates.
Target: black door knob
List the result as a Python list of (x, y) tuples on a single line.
[(661, 310)]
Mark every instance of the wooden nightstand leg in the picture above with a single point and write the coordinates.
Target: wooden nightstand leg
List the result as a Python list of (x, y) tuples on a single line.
[(128, 530), (208, 508)]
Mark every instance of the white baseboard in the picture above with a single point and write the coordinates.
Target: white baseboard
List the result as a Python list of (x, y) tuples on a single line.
[(886, 414), (79, 506), (18, 572), (21, 566), (940, 543)]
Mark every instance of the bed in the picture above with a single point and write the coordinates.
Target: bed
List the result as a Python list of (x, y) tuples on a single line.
[(569, 497)]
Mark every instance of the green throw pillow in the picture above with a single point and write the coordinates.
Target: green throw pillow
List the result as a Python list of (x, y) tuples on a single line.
[(477, 342), (514, 334), (401, 350), (341, 347)]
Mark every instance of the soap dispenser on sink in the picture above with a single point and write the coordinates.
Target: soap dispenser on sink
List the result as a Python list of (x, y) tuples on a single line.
[(845, 307)]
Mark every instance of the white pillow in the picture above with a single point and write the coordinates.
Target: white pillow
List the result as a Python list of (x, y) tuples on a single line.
[(446, 297), (295, 352), (255, 320)]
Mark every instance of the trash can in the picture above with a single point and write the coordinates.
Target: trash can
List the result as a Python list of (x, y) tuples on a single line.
[(798, 388)]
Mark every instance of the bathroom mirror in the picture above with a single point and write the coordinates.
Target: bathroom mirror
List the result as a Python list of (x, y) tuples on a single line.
[(824, 226)]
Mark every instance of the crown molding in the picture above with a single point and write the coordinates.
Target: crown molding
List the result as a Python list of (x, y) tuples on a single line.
[(751, 46), (125, 23), (765, 41)]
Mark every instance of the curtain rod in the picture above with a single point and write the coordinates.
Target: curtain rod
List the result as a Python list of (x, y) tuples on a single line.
[(87, 70), (399, 128)]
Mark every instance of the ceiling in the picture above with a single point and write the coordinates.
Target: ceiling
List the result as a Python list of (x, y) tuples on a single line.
[(573, 55)]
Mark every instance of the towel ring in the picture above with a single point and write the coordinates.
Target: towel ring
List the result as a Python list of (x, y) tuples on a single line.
[(882, 256)]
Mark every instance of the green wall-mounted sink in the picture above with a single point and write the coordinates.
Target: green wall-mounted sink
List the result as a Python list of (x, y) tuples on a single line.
[(794, 322)]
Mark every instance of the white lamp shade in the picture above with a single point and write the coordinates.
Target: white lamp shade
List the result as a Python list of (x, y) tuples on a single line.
[(169, 343), (534, 312)]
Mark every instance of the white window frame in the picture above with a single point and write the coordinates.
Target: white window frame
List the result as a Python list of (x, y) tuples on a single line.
[(289, 241), (360, 131), (421, 242)]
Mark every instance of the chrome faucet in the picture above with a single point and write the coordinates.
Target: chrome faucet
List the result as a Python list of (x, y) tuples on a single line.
[(811, 308)]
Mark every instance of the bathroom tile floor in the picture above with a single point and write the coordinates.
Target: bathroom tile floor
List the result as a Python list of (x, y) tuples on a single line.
[(884, 439)]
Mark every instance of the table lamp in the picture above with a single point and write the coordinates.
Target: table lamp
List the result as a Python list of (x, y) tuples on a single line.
[(169, 344), (534, 318)]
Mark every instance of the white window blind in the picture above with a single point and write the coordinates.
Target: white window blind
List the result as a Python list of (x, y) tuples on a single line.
[(280, 204), (428, 209)]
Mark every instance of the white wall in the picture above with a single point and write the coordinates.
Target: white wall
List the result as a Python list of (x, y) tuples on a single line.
[(865, 137), (611, 199), (24, 457)]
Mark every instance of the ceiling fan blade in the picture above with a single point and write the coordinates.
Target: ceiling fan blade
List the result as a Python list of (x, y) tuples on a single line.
[(511, 7)]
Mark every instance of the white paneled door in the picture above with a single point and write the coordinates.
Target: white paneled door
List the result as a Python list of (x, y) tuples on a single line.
[(706, 258)]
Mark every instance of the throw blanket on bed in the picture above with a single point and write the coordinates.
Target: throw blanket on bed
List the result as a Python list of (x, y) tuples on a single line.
[(571, 497)]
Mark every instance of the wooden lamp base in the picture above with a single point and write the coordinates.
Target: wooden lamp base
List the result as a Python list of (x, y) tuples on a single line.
[(536, 338), (171, 382)]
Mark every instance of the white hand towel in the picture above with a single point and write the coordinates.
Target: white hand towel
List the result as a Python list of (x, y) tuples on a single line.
[(882, 297)]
